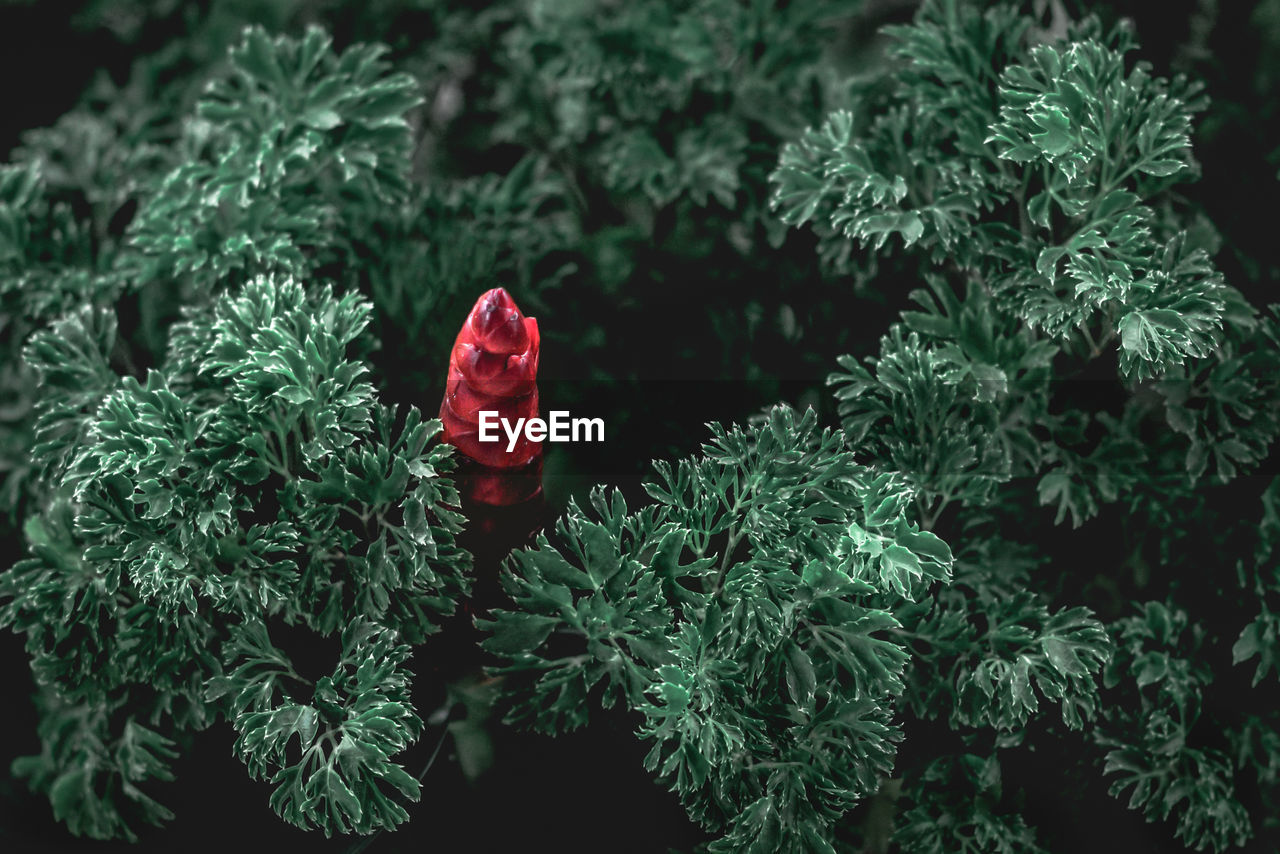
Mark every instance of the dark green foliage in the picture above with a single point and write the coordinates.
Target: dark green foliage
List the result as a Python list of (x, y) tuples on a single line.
[(955, 417), (279, 147), (621, 87), (955, 811), (103, 769), (343, 780), (1026, 653), (248, 483), (661, 121), (457, 239), (1261, 637), (253, 480), (744, 616), (1227, 406), (1061, 144), (1024, 169), (772, 607), (1159, 767), (878, 638), (292, 150), (1043, 184)]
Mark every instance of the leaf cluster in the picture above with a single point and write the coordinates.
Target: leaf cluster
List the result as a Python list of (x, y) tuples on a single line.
[(1034, 167), (662, 120), (1160, 763), (955, 807), (243, 484), (1074, 345), (253, 482), (1030, 181), (743, 616)]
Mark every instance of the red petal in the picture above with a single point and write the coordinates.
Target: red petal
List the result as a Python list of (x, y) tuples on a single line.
[(500, 331), (493, 368), (468, 403)]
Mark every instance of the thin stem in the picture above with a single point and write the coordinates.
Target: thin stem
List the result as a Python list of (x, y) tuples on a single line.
[(444, 732), (929, 514), (735, 536), (363, 517), (1088, 337), (1024, 222), (280, 466)]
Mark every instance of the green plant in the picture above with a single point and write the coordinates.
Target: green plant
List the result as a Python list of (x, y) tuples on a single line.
[(658, 124), (742, 616), (250, 484), (1032, 542), (1026, 172)]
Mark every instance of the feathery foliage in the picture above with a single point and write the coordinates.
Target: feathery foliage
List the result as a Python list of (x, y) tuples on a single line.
[(854, 639), (1025, 169), (1044, 182), (249, 486), (743, 616)]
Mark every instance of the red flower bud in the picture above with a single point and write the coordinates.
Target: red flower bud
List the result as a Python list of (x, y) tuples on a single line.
[(493, 368)]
